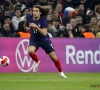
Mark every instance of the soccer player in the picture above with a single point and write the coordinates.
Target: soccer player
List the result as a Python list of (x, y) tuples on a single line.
[(39, 37)]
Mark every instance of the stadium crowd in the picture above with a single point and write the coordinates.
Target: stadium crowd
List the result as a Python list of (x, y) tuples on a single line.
[(66, 18)]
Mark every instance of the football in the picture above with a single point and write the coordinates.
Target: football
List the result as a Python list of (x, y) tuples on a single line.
[(4, 61)]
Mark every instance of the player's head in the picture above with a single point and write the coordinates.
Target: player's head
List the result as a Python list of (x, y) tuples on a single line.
[(40, 10)]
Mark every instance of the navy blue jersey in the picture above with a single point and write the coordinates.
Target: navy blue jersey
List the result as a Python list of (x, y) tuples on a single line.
[(37, 39), (42, 23)]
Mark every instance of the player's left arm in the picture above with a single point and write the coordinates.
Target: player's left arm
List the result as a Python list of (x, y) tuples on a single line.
[(43, 31)]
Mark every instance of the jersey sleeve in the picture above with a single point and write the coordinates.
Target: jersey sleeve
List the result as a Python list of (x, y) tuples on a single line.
[(44, 22)]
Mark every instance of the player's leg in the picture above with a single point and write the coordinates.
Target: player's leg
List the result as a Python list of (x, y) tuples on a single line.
[(48, 47), (57, 63), (31, 51)]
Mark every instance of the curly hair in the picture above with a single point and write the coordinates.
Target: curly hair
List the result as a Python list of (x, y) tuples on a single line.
[(43, 9)]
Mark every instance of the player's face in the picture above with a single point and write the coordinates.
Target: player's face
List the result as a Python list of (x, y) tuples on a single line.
[(36, 12)]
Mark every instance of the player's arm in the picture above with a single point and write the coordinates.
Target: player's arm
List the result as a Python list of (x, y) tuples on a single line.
[(25, 26), (43, 31)]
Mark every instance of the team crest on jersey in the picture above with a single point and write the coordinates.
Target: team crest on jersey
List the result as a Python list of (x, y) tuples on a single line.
[(39, 25)]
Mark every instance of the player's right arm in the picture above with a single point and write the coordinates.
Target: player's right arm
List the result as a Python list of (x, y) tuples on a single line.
[(26, 27)]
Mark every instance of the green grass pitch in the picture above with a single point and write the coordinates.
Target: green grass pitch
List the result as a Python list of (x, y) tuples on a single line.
[(49, 81)]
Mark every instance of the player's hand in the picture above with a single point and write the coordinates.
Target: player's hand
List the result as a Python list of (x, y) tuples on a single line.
[(32, 25), (27, 28)]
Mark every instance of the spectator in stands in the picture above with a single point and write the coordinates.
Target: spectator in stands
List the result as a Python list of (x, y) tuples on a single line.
[(60, 34), (49, 17), (97, 11), (93, 25), (68, 31), (85, 32), (59, 9), (4, 14), (81, 7), (50, 10), (89, 14), (73, 22), (79, 19), (82, 11), (21, 3), (18, 6), (16, 19), (6, 5), (83, 2), (7, 20), (98, 35), (56, 16), (67, 18), (50, 30), (5, 31), (57, 26), (25, 12), (77, 10)]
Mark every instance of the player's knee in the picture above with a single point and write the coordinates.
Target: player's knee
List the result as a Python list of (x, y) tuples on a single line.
[(53, 56), (31, 51)]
